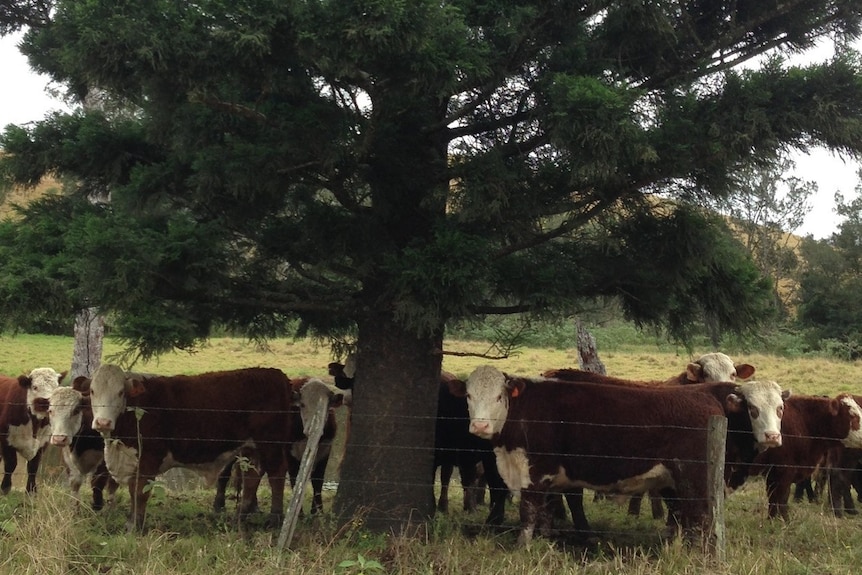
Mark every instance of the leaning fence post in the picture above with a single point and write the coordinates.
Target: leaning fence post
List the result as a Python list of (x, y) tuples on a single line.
[(298, 494), (716, 441)]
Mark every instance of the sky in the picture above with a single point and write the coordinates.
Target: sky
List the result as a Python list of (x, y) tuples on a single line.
[(24, 98)]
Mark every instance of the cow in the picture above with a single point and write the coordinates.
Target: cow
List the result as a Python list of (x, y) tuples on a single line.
[(810, 427), (306, 393), (551, 436), (199, 421), (82, 447), (24, 424), (712, 367), (751, 408), (843, 470), (454, 445)]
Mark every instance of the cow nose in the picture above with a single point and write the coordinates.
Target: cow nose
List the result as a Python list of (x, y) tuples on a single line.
[(102, 424), (773, 439), (59, 440), (480, 428)]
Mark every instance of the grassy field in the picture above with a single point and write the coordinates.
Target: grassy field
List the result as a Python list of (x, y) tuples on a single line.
[(54, 532)]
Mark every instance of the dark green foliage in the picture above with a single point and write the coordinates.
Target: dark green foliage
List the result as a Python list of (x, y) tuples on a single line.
[(830, 303)]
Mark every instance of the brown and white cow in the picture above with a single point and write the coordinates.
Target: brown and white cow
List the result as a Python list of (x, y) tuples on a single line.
[(83, 448), (753, 409), (711, 368), (552, 436), (810, 427), (24, 423), (306, 393), (200, 422)]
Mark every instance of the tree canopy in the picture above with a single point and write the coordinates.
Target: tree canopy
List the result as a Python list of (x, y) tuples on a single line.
[(375, 169)]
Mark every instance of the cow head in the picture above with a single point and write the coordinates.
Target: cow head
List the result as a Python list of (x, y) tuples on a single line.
[(488, 392), (849, 408), (312, 394), (40, 383), (716, 367), (764, 401), (66, 413), (109, 390)]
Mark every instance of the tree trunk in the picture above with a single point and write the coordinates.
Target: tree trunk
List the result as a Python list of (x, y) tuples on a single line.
[(386, 474), (89, 335), (588, 355)]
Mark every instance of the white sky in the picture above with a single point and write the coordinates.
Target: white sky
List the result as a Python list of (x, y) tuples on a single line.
[(24, 98)]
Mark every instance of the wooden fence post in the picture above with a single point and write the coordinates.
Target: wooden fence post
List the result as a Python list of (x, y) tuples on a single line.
[(715, 448), (298, 494)]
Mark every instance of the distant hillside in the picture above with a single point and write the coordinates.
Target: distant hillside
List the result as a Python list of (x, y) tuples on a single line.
[(23, 196)]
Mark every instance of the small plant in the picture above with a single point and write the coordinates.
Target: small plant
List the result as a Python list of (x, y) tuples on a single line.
[(360, 566)]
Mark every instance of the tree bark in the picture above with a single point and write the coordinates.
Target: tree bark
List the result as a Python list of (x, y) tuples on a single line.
[(386, 474), (89, 336), (588, 355)]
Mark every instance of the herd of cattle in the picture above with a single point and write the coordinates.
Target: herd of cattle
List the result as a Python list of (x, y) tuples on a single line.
[(543, 439)]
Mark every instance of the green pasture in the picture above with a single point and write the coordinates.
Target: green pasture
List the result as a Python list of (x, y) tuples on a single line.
[(55, 533)]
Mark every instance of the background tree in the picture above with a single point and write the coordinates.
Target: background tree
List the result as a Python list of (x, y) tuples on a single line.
[(374, 170), (830, 307), (766, 208)]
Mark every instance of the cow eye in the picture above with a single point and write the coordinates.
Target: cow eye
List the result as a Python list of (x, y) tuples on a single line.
[(753, 412), (780, 411), (76, 411)]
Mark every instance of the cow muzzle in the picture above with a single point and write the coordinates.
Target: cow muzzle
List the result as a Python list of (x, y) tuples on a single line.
[(103, 425), (771, 439), (60, 440), (481, 429)]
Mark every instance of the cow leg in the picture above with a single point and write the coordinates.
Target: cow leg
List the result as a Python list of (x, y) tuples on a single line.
[(97, 483), (446, 470), (467, 471), (656, 505), (32, 469), (10, 462), (317, 477), (479, 486), (778, 493), (531, 511), (575, 501), (635, 504), (275, 465), (221, 486), (497, 489), (856, 480)]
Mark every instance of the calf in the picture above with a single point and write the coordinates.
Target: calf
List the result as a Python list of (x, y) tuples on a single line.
[(199, 421), (454, 445), (710, 368), (83, 448), (24, 423), (810, 427), (552, 436)]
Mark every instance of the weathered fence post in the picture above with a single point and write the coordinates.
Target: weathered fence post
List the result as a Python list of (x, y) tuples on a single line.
[(298, 494), (715, 448)]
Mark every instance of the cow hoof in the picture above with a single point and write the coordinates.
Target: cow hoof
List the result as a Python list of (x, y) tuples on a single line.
[(851, 511)]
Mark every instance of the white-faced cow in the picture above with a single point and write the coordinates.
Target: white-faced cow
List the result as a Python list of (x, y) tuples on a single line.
[(712, 368), (200, 422), (811, 426), (24, 423), (753, 408), (552, 436), (83, 448)]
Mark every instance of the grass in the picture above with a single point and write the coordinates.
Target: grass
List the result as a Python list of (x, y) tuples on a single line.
[(54, 532)]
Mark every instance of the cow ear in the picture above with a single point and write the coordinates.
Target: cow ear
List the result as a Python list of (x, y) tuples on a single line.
[(516, 387), (785, 394), (295, 398), (743, 370), (81, 383), (733, 403), (135, 387), (336, 400), (62, 376), (25, 381), (694, 373), (457, 387)]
